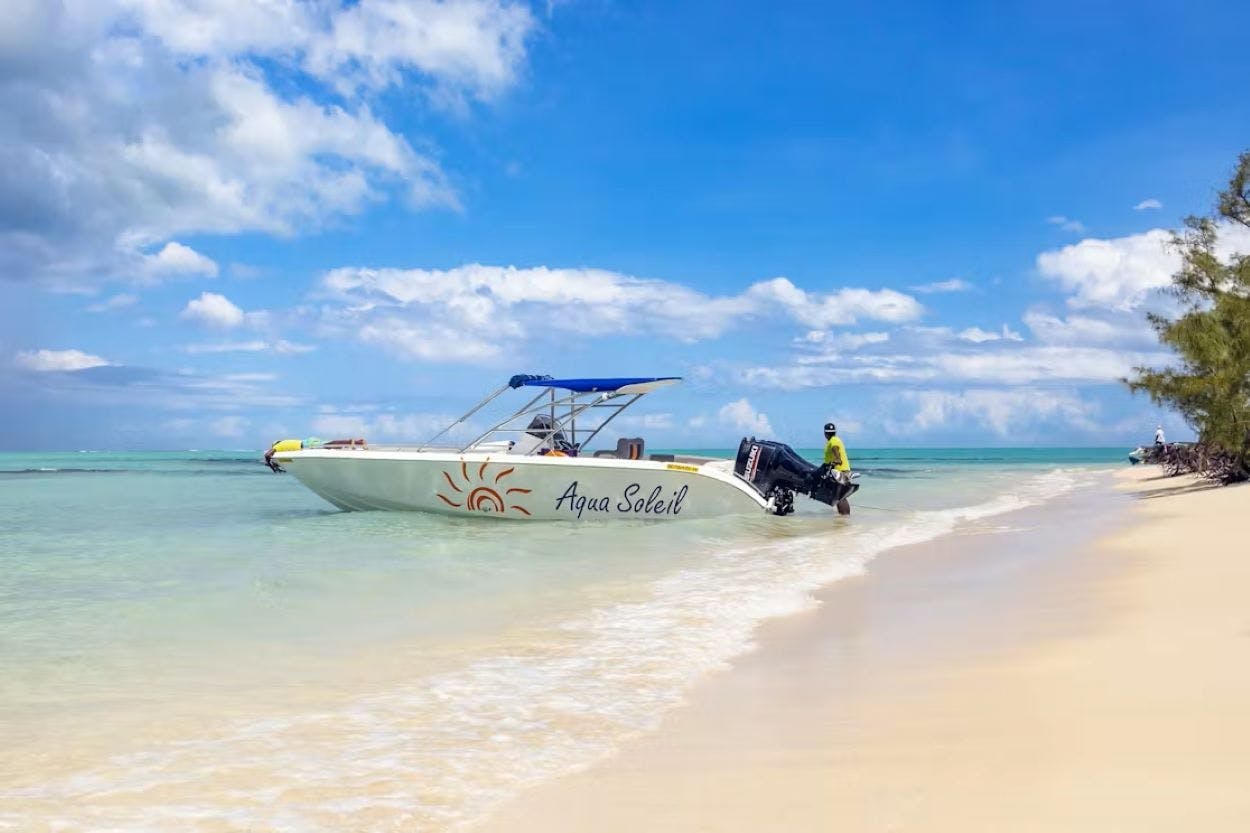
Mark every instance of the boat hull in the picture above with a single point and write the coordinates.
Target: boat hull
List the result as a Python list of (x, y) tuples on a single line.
[(521, 488)]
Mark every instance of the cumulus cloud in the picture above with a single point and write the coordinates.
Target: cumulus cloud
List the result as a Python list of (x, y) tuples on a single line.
[(57, 361), (177, 259), (952, 285), (742, 416), (473, 44), (130, 122), (1112, 273), (1120, 272), (845, 306), (1006, 413), (478, 313), (213, 310), (1147, 205)]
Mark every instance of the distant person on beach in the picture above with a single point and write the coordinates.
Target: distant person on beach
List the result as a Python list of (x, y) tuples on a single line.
[(837, 458), (1159, 440)]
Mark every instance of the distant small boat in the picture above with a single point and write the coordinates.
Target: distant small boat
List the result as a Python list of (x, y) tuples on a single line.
[(534, 466)]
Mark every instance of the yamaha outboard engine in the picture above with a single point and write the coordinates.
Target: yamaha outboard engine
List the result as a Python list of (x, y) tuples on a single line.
[(777, 472)]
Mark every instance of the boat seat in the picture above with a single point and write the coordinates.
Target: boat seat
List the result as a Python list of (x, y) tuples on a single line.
[(629, 448)]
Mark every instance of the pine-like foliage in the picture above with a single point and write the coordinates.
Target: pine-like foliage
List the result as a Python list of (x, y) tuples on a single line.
[(1210, 384)]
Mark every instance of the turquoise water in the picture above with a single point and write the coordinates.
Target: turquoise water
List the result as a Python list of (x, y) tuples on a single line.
[(191, 642)]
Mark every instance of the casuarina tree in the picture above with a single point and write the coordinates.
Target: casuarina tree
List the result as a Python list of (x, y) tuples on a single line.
[(1209, 384)]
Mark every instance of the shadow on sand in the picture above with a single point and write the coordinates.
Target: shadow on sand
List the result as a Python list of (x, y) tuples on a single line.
[(1183, 488)]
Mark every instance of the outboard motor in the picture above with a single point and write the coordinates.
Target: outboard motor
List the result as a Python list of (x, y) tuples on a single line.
[(777, 472)]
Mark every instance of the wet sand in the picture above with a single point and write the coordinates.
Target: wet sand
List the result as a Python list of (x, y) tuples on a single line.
[(1086, 669)]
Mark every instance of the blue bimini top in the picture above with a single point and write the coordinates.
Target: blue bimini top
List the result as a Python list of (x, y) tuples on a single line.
[(629, 384)]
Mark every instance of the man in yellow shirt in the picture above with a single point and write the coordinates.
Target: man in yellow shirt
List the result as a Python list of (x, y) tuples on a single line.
[(835, 450), (836, 457)]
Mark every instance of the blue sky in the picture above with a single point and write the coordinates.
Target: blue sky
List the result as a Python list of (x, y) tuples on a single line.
[(223, 222)]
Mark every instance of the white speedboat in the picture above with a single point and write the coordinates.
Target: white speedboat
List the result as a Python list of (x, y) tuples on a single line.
[(536, 465)]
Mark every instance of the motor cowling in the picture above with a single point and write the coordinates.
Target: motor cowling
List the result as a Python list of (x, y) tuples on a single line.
[(777, 472)]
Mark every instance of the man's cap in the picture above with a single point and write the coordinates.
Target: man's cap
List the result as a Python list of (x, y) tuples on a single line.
[(829, 426)]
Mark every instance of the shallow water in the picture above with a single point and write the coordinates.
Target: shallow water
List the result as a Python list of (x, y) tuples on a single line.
[(190, 642)]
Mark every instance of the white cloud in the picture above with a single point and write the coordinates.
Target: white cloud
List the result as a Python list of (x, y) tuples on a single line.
[(254, 346), (1120, 272), (341, 425), (281, 347), (290, 348), (384, 426), (57, 361), (952, 285), (978, 336), (213, 310), (175, 259), (1113, 273), (742, 416), (1080, 329), (1147, 205), (1067, 224), (1033, 364), (645, 422), (130, 122), (476, 45), (430, 341), (848, 341), (118, 301), (147, 388), (478, 313), (845, 306), (250, 377), (229, 426), (1080, 349), (1006, 413), (993, 363)]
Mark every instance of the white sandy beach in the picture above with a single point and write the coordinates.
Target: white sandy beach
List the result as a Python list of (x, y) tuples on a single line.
[(1095, 681)]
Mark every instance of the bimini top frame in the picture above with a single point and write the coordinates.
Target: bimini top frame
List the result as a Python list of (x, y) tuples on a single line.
[(568, 411)]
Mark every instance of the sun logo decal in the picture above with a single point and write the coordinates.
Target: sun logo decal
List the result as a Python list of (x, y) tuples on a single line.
[(480, 494)]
